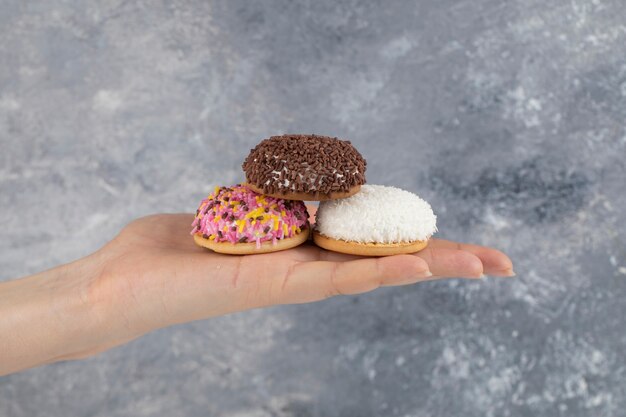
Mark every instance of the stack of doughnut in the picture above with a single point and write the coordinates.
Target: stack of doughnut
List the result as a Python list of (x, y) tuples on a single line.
[(267, 212)]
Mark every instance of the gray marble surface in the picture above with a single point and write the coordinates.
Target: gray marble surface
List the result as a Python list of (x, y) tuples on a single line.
[(507, 115)]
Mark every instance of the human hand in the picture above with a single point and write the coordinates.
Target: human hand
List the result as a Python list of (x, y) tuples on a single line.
[(160, 277), (152, 275)]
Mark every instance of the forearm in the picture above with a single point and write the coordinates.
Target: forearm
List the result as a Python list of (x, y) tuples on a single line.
[(50, 317)]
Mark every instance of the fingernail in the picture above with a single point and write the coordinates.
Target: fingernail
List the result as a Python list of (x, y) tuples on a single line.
[(411, 279), (505, 273)]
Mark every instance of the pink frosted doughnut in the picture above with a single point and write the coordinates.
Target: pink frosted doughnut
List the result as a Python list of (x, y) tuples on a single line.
[(238, 216)]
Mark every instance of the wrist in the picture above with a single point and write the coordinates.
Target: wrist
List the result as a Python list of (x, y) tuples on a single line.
[(98, 312), (52, 316), (84, 321)]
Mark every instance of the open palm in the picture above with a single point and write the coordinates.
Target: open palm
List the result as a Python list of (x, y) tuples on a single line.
[(157, 276)]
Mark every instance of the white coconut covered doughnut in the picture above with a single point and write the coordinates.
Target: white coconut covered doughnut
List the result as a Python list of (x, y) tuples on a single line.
[(379, 220)]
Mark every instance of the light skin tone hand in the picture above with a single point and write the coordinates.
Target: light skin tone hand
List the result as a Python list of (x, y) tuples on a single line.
[(152, 275)]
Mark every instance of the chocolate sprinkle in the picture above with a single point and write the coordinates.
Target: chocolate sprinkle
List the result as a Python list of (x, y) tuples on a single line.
[(304, 164)]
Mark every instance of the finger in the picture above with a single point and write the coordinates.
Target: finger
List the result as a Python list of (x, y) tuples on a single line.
[(311, 209), (313, 281), (311, 252), (444, 262), (494, 262)]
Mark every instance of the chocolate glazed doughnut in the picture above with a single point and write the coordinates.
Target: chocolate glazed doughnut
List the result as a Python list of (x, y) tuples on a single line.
[(305, 167)]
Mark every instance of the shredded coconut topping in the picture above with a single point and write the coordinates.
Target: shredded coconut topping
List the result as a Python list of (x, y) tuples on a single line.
[(377, 214)]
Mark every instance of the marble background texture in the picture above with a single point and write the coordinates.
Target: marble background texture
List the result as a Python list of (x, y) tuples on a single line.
[(508, 116)]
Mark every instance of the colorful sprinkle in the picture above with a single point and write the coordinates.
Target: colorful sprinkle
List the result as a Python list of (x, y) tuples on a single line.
[(245, 216)]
